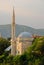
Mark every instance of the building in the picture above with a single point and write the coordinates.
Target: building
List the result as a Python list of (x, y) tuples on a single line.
[(22, 42)]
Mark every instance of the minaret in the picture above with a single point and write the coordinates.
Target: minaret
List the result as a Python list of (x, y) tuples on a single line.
[(13, 42)]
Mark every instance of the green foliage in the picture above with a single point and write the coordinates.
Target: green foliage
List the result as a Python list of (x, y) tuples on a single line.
[(23, 59), (3, 45), (10, 60), (34, 55), (16, 60), (39, 45), (1, 58), (36, 52)]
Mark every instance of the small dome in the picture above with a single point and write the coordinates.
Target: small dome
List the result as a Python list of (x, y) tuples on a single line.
[(25, 35)]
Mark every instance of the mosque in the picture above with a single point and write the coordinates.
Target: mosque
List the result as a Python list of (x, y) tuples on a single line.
[(22, 42)]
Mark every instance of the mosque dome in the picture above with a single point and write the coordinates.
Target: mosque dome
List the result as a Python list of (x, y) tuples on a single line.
[(25, 35)]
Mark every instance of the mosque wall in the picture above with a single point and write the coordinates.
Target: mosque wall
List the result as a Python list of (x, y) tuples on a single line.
[(25, 46), (19, 48), (22, 46)]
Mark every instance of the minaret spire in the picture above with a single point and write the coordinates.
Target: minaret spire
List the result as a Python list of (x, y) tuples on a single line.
[(13, 25), (13, 42)]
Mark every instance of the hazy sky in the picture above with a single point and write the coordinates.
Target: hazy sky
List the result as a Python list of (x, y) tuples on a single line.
[(28, 12)]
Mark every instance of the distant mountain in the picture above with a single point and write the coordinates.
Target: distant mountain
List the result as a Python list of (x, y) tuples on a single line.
[(5, 30)]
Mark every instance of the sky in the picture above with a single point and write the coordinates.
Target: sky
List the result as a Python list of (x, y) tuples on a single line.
[(27, 12)]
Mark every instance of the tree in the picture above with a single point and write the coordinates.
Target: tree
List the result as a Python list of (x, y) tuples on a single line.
[(36, 52), (4, 43)]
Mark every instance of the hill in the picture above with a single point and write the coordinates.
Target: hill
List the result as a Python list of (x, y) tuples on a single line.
[(5, 30)]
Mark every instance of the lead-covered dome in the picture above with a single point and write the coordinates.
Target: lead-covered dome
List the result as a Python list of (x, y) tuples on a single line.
[(25, 35)]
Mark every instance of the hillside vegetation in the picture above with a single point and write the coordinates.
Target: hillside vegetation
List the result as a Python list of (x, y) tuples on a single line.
[(5, 30)]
